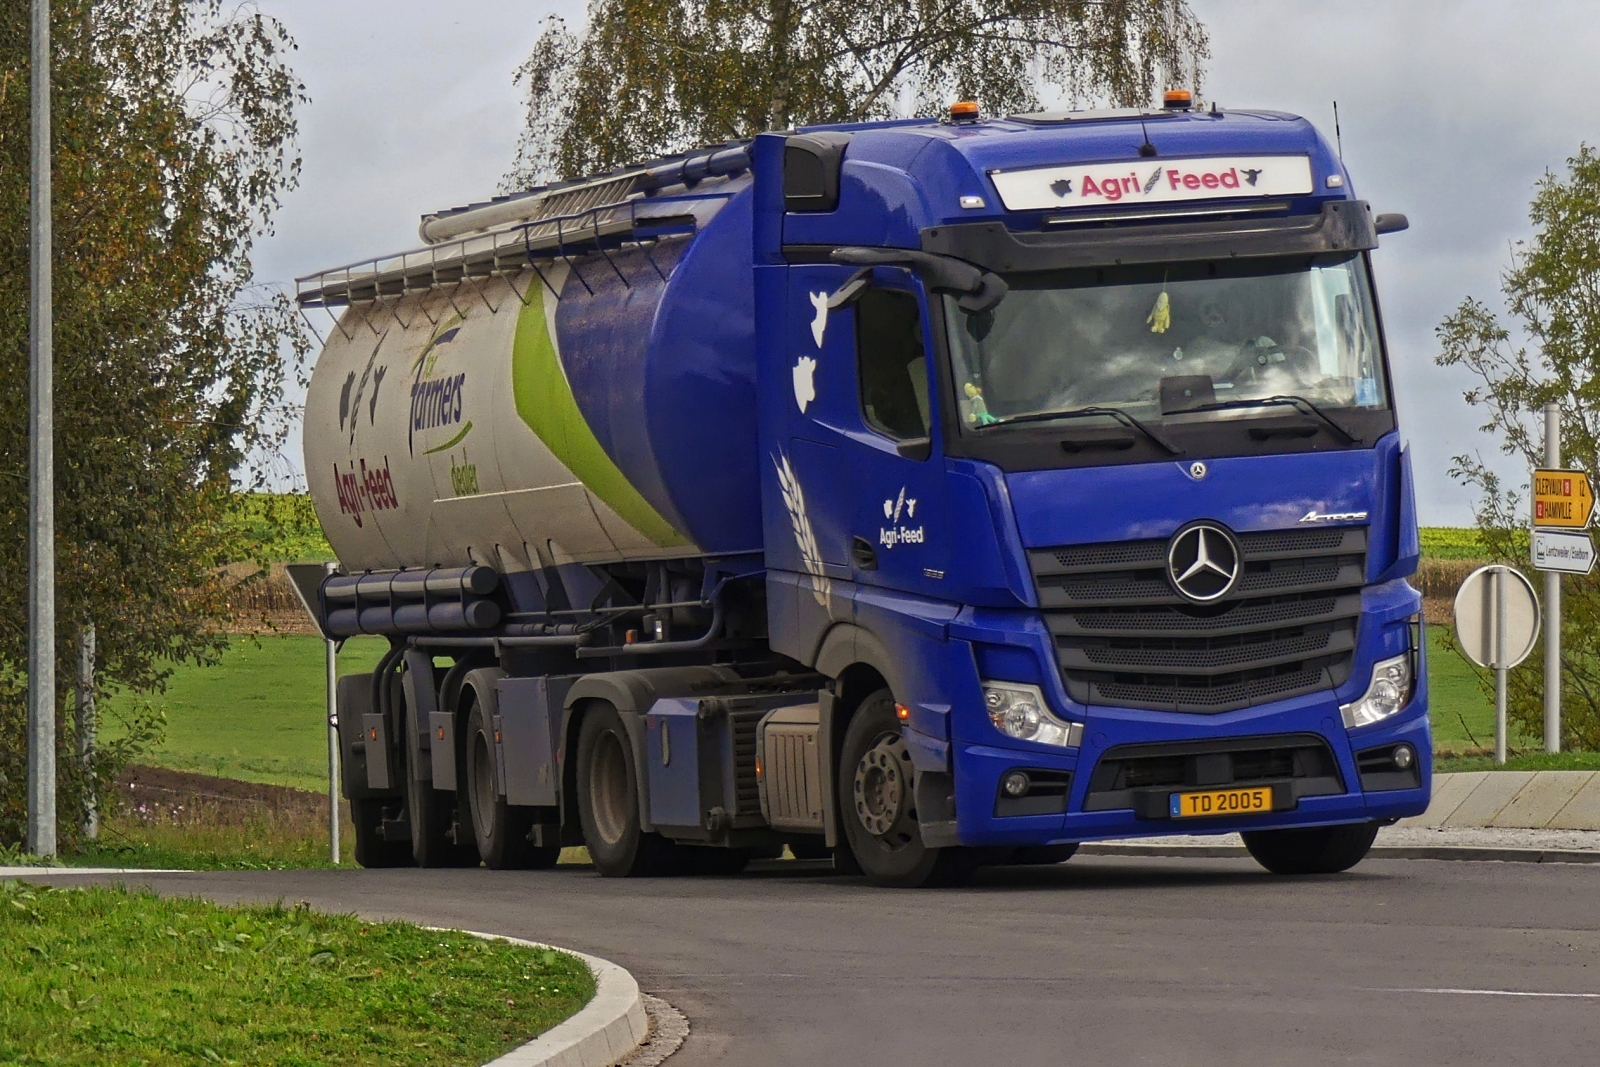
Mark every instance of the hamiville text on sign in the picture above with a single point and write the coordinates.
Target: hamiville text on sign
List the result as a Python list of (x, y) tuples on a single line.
[(1562, 499)]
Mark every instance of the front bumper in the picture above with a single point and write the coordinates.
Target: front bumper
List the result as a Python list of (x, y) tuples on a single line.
[(978, 769)]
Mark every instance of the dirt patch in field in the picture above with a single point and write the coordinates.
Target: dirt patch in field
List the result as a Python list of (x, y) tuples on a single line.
[(152, 794)]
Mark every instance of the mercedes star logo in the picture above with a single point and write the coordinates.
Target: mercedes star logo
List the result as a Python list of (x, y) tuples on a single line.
[(1203, 562)]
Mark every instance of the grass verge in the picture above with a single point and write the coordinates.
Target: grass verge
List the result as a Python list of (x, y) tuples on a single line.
[(1520, 761), (112, 976)]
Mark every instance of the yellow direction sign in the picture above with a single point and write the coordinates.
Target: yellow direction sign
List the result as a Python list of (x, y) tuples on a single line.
[(1562, 499)]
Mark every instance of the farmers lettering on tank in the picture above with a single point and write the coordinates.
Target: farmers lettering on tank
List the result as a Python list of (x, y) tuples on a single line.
[(436, 399)]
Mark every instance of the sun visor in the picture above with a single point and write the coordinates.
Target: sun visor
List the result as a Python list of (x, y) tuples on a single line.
[(1341, 226)]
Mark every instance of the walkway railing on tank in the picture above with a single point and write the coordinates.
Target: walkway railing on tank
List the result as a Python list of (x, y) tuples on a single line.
[(637, 222)]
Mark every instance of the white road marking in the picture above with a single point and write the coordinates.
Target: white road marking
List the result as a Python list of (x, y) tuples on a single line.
[(1495, 993)]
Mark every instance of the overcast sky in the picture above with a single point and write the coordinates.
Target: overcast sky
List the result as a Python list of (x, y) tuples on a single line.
[(1450, 109)]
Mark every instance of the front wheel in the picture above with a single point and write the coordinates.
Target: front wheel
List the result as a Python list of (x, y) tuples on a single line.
[(1317, 850), (878, 805)]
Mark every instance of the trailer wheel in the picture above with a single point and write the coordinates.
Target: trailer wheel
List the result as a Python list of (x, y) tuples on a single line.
[(878, 805), (1318, 850), (501, 830), (608, 801), (437, 837), (372, 850)]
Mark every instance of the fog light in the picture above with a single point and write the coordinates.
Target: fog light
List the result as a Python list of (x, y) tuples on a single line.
[(1404, 757), (1015, 784)]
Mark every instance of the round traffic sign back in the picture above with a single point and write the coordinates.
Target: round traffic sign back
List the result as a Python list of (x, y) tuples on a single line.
[(1497, 616)]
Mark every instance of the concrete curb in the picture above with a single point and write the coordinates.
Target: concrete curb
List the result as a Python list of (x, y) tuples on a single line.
[(1522, 800), (1379, 852), (603, 1033)]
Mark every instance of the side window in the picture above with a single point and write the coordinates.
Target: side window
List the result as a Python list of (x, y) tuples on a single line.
[(891, 363)]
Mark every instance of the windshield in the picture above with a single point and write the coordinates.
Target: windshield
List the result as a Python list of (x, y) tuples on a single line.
[(1171, 341)]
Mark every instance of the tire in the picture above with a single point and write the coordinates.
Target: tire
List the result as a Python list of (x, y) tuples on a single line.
[(372, 850), (436, 821), (500, 830), (877, 805), (1042, 854), (1318, 850), (608, 801)]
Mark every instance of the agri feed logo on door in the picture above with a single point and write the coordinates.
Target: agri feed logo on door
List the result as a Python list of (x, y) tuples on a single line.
[(1152, 182)]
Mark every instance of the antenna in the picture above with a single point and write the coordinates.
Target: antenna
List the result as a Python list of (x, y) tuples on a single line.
[(1338, 140), (1147, 149)]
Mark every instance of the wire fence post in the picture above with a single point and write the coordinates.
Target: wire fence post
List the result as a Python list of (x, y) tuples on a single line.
[(332, 658), (41, 463), (86, 732)]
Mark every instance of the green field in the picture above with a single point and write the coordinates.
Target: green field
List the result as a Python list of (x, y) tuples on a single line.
[(258, 715), (96, 976)]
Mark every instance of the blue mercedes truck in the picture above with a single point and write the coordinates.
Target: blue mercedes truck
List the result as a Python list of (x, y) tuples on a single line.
[(921, 494)]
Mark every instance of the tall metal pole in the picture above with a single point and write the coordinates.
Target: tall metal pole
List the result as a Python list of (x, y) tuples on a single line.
[(41, 468), (1552, 602), (333, 745)]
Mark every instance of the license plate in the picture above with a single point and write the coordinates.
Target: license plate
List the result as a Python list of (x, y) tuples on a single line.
[(1221, 802)]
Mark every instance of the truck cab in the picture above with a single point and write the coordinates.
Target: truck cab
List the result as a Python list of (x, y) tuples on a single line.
[(1083, 447)]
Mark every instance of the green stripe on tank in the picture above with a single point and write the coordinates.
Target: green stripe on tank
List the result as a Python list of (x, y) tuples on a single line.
[(545, 402)]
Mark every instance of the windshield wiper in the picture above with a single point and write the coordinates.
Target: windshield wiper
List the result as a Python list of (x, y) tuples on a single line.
[(1078, 413), (1299, 403)]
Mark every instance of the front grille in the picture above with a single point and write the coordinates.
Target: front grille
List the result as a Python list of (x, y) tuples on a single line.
[(1143, 776), (1125, 637)]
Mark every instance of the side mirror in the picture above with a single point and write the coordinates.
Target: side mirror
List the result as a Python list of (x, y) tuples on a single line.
[(851, 290), (915, 448), (1391, 223)]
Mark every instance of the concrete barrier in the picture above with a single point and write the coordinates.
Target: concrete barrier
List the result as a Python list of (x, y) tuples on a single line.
[(1523, 800)]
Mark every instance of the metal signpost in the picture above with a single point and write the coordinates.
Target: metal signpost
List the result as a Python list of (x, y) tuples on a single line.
[(1497, 625), (307, 580), (1563, 503), (41, 467)]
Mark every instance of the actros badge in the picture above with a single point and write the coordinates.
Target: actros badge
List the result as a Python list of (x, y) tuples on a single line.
[(1203, 562)]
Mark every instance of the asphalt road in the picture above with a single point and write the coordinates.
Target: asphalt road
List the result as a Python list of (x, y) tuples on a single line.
[(1102, 960)]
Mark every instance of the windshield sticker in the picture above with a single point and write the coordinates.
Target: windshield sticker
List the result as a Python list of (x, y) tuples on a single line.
[(805, 386), (819, 323), (897, 533), (1098, 185)]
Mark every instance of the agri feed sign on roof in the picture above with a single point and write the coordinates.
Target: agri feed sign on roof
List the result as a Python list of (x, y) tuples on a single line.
[(1152, 182)]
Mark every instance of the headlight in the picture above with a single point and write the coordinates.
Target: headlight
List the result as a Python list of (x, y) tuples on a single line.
[(1019, 711), (1386, 694)]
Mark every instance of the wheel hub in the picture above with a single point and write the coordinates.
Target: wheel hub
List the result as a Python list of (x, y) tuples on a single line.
[(883, 787)]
